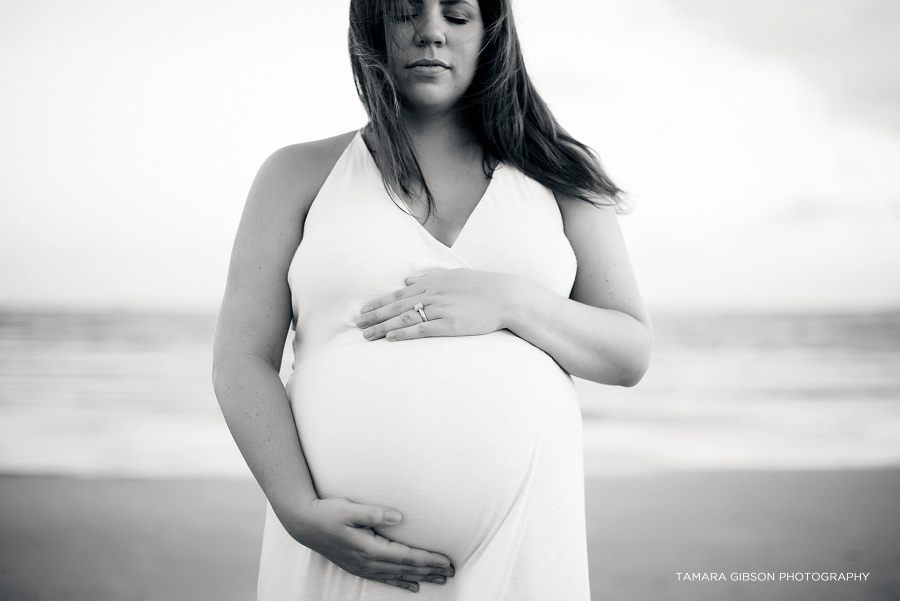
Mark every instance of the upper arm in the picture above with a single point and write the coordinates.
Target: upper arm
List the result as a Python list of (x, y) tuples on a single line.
[(256, 309), (604, 278)]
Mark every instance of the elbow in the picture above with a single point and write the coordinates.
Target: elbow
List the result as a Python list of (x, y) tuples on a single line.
[(227, 373), (233, 370), (219, 364), (224, 368), (625, 371), (218, 375), (633, 375), (628, 373), (632, 370), (228, 382)]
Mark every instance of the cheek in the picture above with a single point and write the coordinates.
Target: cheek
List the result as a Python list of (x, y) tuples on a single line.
[(471, 49), (471, 62), (395, 48)]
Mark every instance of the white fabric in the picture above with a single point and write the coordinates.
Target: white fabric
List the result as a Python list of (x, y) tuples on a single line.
[(475, 440)]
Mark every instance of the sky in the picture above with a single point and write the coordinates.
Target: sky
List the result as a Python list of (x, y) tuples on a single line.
[(758, 141)]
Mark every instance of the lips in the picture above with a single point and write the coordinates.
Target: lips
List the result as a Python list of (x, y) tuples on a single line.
[(426, 62)]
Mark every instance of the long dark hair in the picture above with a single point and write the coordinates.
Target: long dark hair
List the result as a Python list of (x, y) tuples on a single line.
[(510, 120)]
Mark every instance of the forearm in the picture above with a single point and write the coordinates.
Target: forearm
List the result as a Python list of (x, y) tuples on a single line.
[(258, 413), (601, 345)]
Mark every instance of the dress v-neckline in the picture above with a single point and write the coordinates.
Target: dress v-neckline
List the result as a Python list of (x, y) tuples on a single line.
[(403, 206), (465, 226)]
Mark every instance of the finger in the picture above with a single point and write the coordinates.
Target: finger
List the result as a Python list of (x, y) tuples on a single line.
[(372, 516), (416, 278), (382, 549), (404, 320), (430, 578), (410, 572), (401, 576), (432, 327), (410, 586), (383, 552), (384, 301), (390, 310)]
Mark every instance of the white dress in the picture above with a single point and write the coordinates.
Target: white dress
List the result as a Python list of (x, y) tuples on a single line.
[(475, 440)]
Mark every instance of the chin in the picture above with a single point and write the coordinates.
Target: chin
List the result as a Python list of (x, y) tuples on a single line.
[(432, 101)]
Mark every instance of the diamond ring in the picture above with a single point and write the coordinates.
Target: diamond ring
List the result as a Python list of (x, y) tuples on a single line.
[(421, 311)]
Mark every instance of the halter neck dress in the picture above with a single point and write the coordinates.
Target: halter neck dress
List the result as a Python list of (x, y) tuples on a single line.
[(476, 440)]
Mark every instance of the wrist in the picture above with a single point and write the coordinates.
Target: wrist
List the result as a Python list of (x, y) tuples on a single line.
[(297, 516), (515, 301)]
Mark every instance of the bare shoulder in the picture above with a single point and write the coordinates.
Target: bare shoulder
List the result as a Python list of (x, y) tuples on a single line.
[(289, 180), (271, 225), (586, 223), (575, 208), (604, 278)]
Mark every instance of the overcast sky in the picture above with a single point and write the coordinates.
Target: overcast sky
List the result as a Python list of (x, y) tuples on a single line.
[(130, 133)]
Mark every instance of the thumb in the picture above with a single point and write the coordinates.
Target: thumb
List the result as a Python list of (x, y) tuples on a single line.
[(373, 516)]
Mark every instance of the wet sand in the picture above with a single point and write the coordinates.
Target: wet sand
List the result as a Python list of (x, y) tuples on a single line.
[(195, 539)]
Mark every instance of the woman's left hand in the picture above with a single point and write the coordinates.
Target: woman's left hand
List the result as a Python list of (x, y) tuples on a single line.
[(456, 302)]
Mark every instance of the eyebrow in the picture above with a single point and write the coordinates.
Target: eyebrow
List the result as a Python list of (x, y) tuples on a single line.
[(452, 2)]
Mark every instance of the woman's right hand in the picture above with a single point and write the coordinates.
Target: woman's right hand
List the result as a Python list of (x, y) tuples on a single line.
[(343, 532)]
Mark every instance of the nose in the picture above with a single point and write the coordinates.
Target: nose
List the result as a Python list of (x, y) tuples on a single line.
[(429, 30)]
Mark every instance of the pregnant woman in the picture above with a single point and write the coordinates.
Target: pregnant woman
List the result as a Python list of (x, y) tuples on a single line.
[(446, 269)]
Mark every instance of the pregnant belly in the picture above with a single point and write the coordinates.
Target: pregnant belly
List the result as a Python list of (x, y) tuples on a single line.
[(445, 430)]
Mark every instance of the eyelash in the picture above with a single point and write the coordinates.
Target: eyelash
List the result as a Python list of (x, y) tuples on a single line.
[(410, 17)]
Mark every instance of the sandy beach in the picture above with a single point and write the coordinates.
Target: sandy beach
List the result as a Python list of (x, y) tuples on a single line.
[(757, 444), (85, 539)]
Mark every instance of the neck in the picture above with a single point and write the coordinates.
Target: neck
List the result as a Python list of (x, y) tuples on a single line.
[(445, 130)]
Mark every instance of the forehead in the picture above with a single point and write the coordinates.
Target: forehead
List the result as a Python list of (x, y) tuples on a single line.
[(406, 3)]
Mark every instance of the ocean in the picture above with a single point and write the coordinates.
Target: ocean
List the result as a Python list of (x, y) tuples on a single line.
[(129, 394)]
